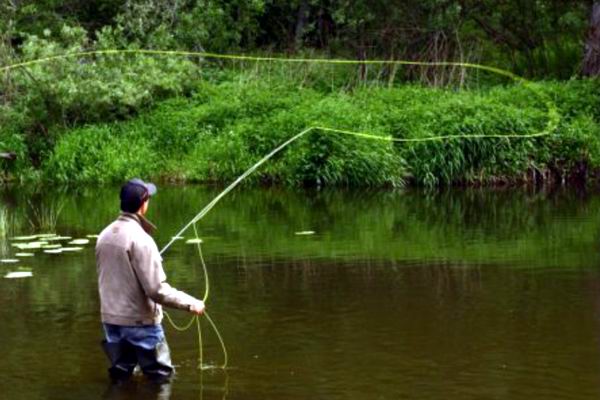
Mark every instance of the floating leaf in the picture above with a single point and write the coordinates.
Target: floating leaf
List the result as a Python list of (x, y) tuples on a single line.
[(29, 246), (24, 255), (53, 251), (35, 245), (57, 238), (45, 235), (66, 249), (177, 238), (194, 241), (9, 261), (92, 236), (19, 274), (23, 237), (305, 233), (79, 241), (51, 246)]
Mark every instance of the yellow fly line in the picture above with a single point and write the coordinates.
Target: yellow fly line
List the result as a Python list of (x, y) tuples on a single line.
[(553, 115), (551, 125), (238, 57)]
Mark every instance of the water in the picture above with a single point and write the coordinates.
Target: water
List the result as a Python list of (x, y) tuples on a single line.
[(465, 294)]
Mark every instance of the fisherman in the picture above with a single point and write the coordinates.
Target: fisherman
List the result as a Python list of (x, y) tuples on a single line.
[(132, 286)]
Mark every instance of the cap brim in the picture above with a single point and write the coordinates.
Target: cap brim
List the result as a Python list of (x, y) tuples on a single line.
[(151, 188)]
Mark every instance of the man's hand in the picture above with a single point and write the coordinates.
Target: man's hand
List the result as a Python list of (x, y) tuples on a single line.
[(197, 307)]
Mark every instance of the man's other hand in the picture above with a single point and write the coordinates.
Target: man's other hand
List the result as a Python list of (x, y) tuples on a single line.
[(197, 307)]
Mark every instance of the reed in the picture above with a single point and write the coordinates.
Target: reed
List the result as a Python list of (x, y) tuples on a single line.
[(44, 217)]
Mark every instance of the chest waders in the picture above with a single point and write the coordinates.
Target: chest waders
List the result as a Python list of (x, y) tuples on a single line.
[(155, 363)]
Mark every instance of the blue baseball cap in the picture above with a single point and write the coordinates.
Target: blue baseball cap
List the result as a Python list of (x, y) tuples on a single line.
[(134, 193)]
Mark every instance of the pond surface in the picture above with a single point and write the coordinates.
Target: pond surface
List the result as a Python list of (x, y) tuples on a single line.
[(472, 294)]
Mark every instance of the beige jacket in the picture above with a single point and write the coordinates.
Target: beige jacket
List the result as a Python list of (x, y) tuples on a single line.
[(131, 279)]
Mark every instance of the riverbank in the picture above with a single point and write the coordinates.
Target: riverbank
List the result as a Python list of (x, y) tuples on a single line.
[(224, 126)]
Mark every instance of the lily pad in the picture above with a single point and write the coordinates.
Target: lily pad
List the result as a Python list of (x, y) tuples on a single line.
[(9, 261), (58, 238), (305, 233), (23, 238), (79, 241), (92, 236), (45, 235), (177, 238), (53, 251), (194, 241), (29, 246), (71, 249), (51, 246), (38, 243), (24, 254), (18, 274)]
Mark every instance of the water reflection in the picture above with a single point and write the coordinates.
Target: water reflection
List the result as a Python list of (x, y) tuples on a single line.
[(457, 295), (134, 389), (470, 225)]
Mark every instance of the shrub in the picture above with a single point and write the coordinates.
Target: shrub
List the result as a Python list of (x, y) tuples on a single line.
[(101, 153), (226, 127)]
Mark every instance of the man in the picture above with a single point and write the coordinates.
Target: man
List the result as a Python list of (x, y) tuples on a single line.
[(132, 286)]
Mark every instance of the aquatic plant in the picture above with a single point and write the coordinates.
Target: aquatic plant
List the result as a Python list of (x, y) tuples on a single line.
[(44, 217), (4, 223), (8, 224), (4, 229)]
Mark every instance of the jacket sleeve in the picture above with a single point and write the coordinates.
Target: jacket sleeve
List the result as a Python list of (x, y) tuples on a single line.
[(147, 264)]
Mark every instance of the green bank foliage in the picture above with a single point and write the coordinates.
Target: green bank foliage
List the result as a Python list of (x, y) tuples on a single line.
[(225, 127), (43, 99), (107, 117), (541, 38)]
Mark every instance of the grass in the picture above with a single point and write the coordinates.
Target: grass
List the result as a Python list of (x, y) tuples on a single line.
[(45, 216), (226, 127), (4, 223), (231, 121)]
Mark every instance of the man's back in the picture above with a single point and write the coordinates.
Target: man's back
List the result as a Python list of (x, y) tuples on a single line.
[(121, 252)]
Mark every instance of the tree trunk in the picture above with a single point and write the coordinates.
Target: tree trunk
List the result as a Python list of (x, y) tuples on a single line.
[(591, 58), (300, 24)]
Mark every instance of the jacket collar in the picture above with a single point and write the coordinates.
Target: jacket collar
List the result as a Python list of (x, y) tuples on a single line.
[(148, 226)]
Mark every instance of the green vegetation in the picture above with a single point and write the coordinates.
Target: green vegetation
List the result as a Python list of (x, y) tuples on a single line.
[(224, 128), (45, 216), (43, 100), (537, 39), (108, 117)]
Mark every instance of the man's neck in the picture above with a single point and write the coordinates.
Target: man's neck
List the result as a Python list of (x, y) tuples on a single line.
[(148, 226)]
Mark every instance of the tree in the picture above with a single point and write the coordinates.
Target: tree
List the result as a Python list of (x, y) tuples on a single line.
[(591, 58)]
